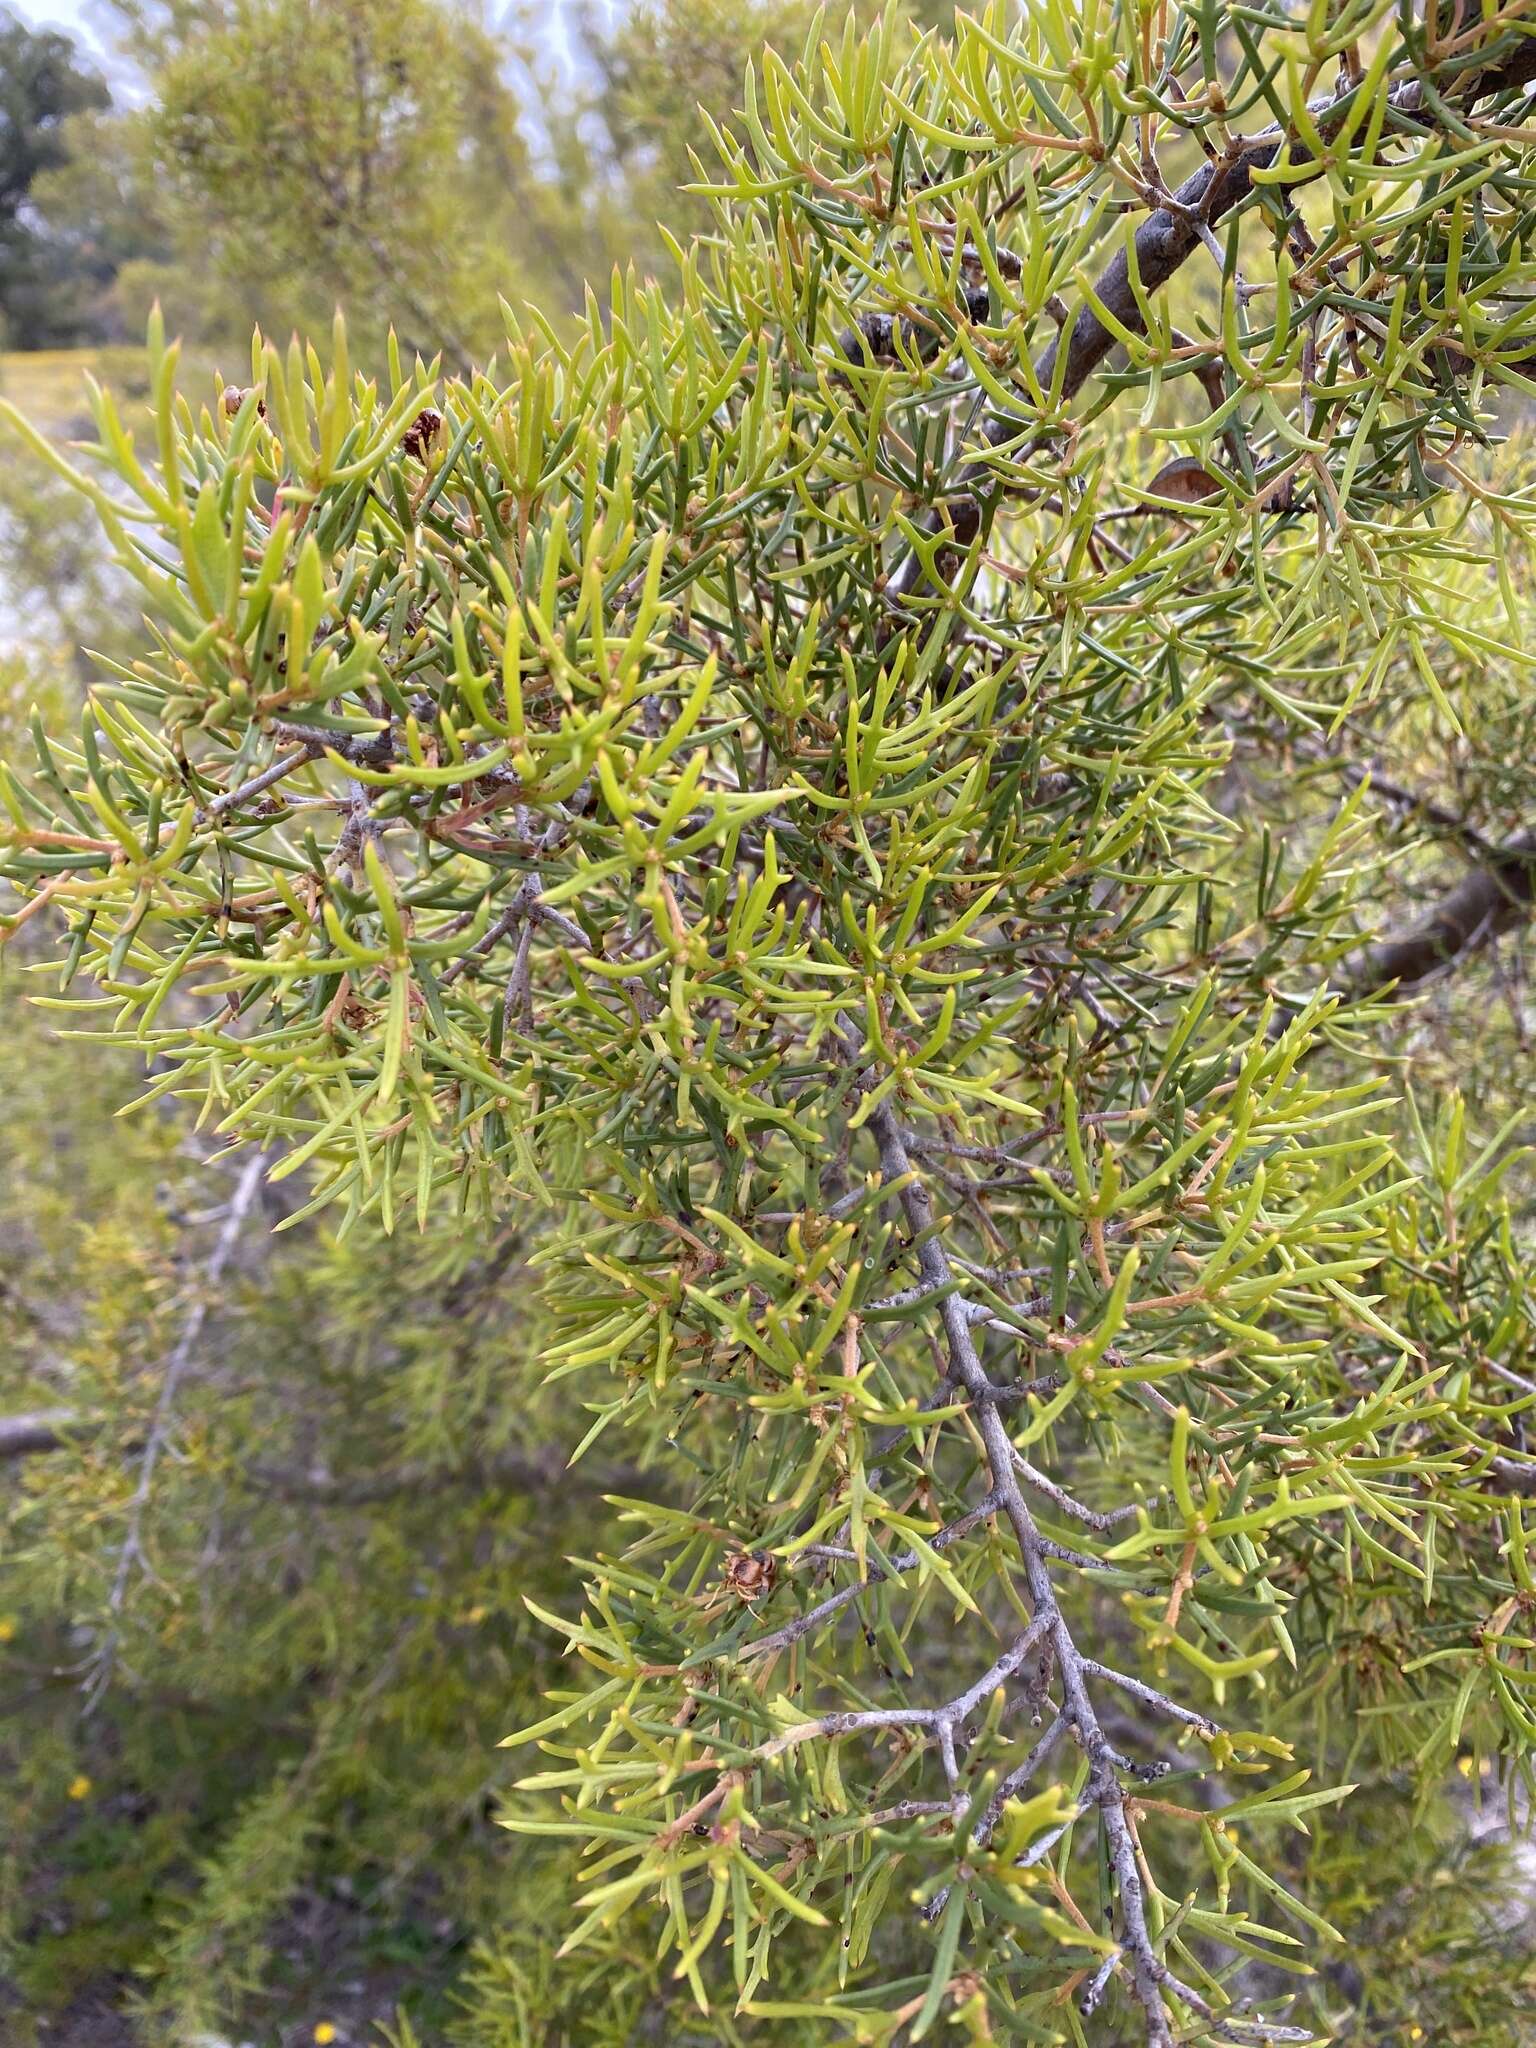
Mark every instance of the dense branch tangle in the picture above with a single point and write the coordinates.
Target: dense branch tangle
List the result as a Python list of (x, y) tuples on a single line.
[(655, 782)]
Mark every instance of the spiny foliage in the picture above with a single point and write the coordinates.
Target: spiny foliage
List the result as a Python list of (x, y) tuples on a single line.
[(742, 786)]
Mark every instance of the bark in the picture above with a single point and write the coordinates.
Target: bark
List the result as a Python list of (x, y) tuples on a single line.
[(1163, 243), (1493, 899), (22, 1435), (1168, 237), (508, 1471)]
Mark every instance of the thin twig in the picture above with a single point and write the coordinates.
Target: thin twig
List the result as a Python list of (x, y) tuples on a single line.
[(1150, 1976), (132, 1557)]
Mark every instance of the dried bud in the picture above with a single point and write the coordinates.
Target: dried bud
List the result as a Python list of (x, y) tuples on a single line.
[(234, 397), (750, 1574), (1185, 481), (421, 433)]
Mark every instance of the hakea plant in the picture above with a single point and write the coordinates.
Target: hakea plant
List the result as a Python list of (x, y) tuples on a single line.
[(745, 780)]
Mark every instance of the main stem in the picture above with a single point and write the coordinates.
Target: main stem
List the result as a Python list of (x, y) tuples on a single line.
[(1148, 1973)]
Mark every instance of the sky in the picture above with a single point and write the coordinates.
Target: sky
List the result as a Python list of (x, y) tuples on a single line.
[(74, 15), (91, 25)]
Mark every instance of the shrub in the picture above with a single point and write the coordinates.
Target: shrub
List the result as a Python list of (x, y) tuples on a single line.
[(761, 792)]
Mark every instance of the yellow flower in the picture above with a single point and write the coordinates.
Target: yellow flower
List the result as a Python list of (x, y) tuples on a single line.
[(325, 2032), (7, 1629), (80, 1788)]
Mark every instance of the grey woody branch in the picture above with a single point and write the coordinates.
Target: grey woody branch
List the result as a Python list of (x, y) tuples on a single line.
[(1163, 243), (22, 1436), (506, 1471), (813, 1617), (1149, 1976), (1170, 235), (1493, 899), (132, 1558)]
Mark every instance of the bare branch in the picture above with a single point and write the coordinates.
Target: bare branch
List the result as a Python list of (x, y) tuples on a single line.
[(131, 1556), (1064, 1500), (22, 1436), (1017, 1779), (813, 1617), (1493, 899), (1102, 1790), (508, 1471)]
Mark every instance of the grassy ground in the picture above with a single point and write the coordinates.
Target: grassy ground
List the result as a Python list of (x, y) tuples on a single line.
[(48, 385), (48, 545)]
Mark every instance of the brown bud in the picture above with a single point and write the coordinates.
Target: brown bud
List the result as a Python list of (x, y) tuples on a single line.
[(750, 1573), (234, 398), (421, 433), (1185, 481)]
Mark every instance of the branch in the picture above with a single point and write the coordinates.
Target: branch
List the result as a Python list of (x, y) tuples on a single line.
[(48, 1430), (1168, 237), (1017, 1779), (511, 1471), (1149, 1974), (508, 1471), (132, 1553), (1516, 1477), (1493, 899), (812, 1618), (1064, 1500)]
